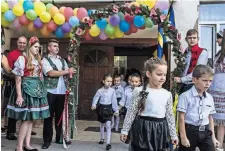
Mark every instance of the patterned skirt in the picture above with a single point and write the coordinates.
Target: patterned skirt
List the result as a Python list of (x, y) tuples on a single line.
[(35, 104), (219, 102), (149, 134)]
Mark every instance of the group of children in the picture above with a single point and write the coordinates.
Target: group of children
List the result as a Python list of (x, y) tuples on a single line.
[(149, 119)]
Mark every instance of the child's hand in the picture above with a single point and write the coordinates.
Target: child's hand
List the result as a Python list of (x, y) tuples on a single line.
[(175, 142), (120, 107), (216, 142), (123, 137), (116, 113), (185, 142), (93, 107)]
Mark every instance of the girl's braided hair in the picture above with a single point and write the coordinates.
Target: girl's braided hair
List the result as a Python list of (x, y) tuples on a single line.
[(149, 65)]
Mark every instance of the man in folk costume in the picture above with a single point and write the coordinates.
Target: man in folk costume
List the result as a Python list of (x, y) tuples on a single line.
[(195, 56), (55, 69), (12, 57)]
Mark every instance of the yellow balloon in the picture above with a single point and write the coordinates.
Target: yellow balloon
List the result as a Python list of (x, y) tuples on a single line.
[(71, 35), (155, 53), (149, 3), (118, 33), (21, 2), (4, 22), (45, 17), (4, 6), (112, 37), (140, 1), (59, 19), (75, 11), (18, 10), (39, 7), (94, 31)]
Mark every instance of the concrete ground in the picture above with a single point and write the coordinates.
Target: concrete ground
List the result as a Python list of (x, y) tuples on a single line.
[(83, 140)]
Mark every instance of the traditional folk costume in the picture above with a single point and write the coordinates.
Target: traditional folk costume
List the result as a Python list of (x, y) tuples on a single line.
[(35, 105), (119, 95), (151, 128), (106, 103), (194, 57), (10, 84), (56, 88), (217, 90)]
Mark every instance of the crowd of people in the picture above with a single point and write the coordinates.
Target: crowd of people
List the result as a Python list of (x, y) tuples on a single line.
[(36, 91)]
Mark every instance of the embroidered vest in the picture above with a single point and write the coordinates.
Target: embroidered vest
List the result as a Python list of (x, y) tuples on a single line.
[(52, 82), (195, 53)]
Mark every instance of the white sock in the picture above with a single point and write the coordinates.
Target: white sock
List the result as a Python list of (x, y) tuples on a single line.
[(102, 130), (108, 130), (113, 119), (117, 122)]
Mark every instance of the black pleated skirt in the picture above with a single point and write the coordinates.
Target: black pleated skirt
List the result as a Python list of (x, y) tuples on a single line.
[(149, 134), (104, 113)]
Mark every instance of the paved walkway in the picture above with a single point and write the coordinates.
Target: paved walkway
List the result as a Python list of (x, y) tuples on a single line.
[(83, 140)]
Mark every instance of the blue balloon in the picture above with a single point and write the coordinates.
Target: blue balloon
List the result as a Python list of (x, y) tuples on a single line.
[(139, 21), (89, 12), (165, 12), (59, 33), (124, 26), (102, 23), (9, 15), (27, 5), (74, 21)]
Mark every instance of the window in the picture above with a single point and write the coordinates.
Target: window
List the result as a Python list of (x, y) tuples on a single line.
[(211, 20)]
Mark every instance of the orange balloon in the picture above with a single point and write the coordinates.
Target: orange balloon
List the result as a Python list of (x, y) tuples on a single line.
[(44, 31), (31, 27), (61, 10), (53, 10)]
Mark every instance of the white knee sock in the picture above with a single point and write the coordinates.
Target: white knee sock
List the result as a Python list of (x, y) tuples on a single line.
[(117, 122), (112, 121), (108, 130), (102, 130)]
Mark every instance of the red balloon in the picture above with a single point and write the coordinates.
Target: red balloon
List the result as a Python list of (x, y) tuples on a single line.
[(129, 18), (129, 32), (23, 20), (87, 35), (133, 28), (142, 28), (51, 26), (81, 13), (68, 12)]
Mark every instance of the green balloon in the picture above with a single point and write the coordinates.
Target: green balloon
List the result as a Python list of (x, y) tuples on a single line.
[(121, 15), (4, 22), (148, 23), (48, 6), (31, 14), (109, 30)]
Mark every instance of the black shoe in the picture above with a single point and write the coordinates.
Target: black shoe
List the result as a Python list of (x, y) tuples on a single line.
[(101, 141), (127, 141), (108, 147), (11, 136), (33, 133), (46, 145), (25, 149)]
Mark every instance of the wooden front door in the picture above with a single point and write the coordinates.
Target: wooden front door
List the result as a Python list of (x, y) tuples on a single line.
[(95, 61)]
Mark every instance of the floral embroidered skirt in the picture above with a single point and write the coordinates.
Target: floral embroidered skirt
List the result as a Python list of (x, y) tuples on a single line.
[(219, 102), (35, 104)]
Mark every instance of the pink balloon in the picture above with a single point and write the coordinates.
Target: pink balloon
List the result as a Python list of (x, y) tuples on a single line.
[(23, 20), (81, 13), (16, 24), (68, 12), (133, 28), (162, 5), (102, 35), (51, 26), (12, 3)]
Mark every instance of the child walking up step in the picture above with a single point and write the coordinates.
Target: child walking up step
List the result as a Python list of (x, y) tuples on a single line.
[(105, 104)]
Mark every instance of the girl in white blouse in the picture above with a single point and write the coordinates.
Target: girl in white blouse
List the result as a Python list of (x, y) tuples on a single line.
[(150, 116), (105, 103)]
